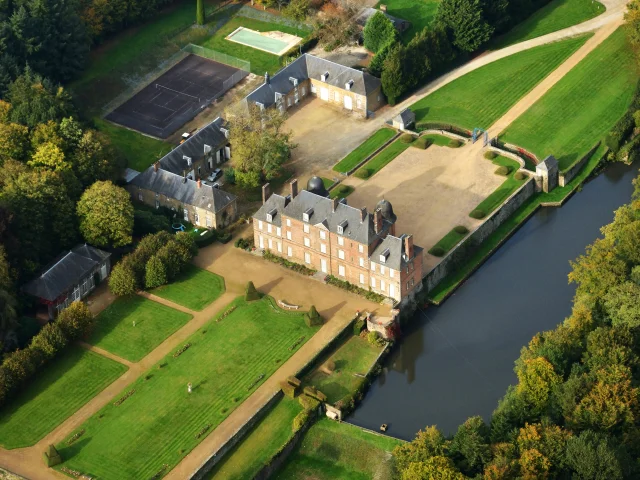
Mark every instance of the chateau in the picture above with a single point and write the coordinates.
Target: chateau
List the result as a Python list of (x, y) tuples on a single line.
[(332, 237)]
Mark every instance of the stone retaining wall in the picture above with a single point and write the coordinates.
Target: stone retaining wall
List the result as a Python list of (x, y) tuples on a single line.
[(569, 174), (461, 251)]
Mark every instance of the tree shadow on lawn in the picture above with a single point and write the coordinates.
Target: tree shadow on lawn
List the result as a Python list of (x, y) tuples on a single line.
[(70, 451)]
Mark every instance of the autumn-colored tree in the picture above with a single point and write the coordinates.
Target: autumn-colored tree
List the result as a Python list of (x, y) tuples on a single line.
[(536, 380), (470, 447), (14, 142), (550, 441), (76, 321), (428, 443), (433, 468)]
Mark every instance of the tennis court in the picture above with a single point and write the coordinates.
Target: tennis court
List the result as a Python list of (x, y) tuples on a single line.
[(275, 42), (177, 96)]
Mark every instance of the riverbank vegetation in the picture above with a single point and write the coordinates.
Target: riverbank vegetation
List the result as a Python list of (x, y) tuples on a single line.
[(574, 411)]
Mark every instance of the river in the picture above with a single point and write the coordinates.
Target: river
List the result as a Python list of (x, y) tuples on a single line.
[(456, 361)]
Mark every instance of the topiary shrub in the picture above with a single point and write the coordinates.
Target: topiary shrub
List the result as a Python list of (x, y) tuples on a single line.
[(407, 138), (251, 293), (422, 143), (462, 230), (364, 173), (52, 457), (455, 143), (300, 420), (289, 390), (308, 403), (437, 251), (520, 176), (358, 326), (477, 214), (294, 381), (312, 318), (330, 366), (315, 393), (490, 155), (502, 170)]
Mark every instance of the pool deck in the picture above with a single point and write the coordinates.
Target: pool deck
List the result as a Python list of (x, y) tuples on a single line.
[(285, 42)]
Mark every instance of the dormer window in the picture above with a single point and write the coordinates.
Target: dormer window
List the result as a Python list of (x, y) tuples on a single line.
[(384, 255), (348, 85), (271, 214), (188, 159), (324, 76), (226, 132), (207, 149), (341, 227), (294, 81), (307, 214)]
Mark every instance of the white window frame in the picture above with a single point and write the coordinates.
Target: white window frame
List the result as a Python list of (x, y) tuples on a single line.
[(362, 278), (373, 267), (259, 224), (323, 248), (289, 235), (373, 282), (305, 228), (307, 242), (196, 218), (341, 254), (186, 214), (278, 231), (340, 241), (323, 235), (268, 228), (280, 247), (382, 270), (361, 262), (289, 252), (342, 271), (391, 272), (209, 222), (288, 222), (307, 257), (361, 248)]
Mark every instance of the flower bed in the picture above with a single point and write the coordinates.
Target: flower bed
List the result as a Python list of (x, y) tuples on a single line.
[(296, 267), (350, 287), (226, 313), (75, 437), (182, 350), (119, 402)]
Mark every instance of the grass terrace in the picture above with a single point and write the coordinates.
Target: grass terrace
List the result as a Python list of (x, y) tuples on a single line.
[(504, 191), (554, 16), (341, 191), (369, 146), (378, 162), (155, 422), (582, 107), (58, 391), (261, 61), (332, 450), (154, 322), (354, 357), (481, 97), (420, 13), (449, 241), (260, 444), (194, 288)]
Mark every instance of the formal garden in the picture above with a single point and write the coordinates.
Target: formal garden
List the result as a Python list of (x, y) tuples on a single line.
[(193, 288), (370, 145), (154, 422), (59, 390), (379, 161)]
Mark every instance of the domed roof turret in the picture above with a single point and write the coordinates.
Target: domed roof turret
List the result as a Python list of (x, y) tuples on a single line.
[(387, 210), (316, 185)]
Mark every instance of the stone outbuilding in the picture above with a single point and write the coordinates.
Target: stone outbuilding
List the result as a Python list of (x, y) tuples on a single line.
[(404, 120), (547, 174)]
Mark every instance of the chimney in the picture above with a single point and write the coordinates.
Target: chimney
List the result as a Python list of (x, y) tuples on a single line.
[(408, 246), (294, 188), (377, 220), (199, 183), (266, 193), (184, 179), (156, 165), (363, 214), (267, 79), (334, 204)]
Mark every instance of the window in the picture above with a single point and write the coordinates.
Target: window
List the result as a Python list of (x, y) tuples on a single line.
[(382, 270), (361, 248), (289, 102), (313, 88), (341, 271), (391, 273), (268, 228), (358, 103), (280, 247), (305, 228), (342, 226), (323, 234), (260, 224), (289, 251), (362, 278), (278, 231), (307, 214), (323, 248), (407, 285), (197, 218), (157, 204), (186, 214), (140, 196), (307, 257), (209, 224), (373, 282), (270, 244), (373, 267), (383, 287), (288, 222), (341, 254), (412, 282), (340, 241), (361, 262), (307, 242), (289, 235), (336, 96)]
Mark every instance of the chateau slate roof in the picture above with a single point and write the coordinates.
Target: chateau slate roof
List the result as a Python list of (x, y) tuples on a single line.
[(193, 147), (396, 259), (184, 190), (308, 66), (65, 272), (276, 202), (548, 163)]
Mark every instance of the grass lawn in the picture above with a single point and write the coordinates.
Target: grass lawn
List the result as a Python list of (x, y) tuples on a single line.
[(139, 150), (194, 288), (332, 450), (446, 243), (552, 17), (582, 107), (419, 12), (115, 332), (341, 191), (161, 422), (61, 388), (439, 140), (510, 185), (369, 146), (481, 97), (356, 355), (260, 61), (378, 162), (449, 283), (260, 444)]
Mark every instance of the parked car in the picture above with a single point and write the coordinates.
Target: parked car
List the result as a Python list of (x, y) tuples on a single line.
[(217, 173)]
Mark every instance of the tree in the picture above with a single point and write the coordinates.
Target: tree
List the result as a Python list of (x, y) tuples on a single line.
[(336, 26), (593, 456), (428, 443), (312, 317), (50, 340), (393, 79), (536, 380), (297, 10), (122, 280), (14, 142), (261, 146), (156, 273), (76, 321), (50, 156), (93, 158), (465, 19), (470, 447), (434, 468), (106, 215), (200, 12), (632, 22), (8, 314), (250, 293), (622, 304), (610, 346), (379, 32), (377, 62), (546, 446)]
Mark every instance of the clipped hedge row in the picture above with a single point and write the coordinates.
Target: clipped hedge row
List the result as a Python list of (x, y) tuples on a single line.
[(315, 393), (300, 420), (350, 287), (308, 403), (443, 126), (296, 267), (289, 390), (422, 143)]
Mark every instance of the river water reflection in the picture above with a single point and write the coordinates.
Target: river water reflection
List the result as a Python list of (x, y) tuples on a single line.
[(456, 360)]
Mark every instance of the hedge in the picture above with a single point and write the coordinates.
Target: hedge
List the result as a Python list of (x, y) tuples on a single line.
[(289, 390), (358, 326), (443, 126), (502, 170), (296, 267), (368, 294), (620, 132), (461, 229), (312, 318), (407, 138), (477, 214), (422, 143), (315, 393), (520, 176), (250, 293), (294, 381), (437, 251), (308, 403), (300, 420), (455, 144), (490, 155)]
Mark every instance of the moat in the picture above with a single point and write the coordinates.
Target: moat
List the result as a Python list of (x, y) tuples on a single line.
[(456, 361)]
